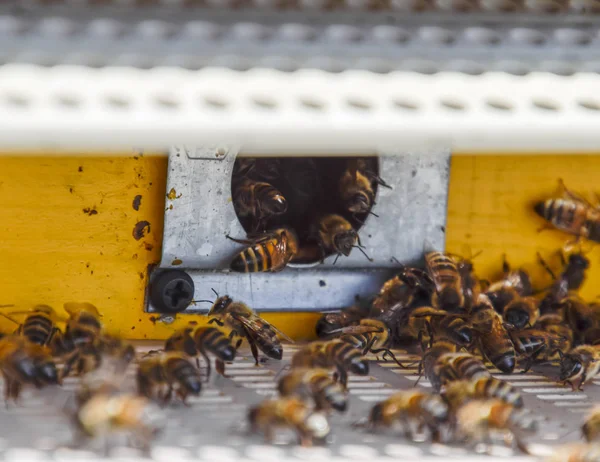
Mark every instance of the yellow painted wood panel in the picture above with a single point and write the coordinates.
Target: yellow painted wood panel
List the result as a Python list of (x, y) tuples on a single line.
[(66, 234), (490, 208)]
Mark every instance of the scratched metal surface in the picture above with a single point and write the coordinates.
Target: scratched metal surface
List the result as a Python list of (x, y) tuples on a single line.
[(213, 428), (199, 214)]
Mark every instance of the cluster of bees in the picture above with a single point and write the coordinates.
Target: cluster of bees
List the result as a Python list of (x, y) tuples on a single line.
[(300, 210), (458, 322)]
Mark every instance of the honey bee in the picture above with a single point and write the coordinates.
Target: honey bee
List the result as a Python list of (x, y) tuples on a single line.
[(458, 392), (579, 365), (335, 235), (258, 169), (514, 284), (571, 214), (591, 426), (425, 321), (444, 272), (158, 376), (408, 287), (554, 324), (522, 312), (408, 408), (271, 251), (455, 366), (330, 322), (259, 200), (25, 363), (316, 385), (205, 340), (355, 189), (311, 426), (107, 350), (494, 340), (83, 328), (371, 335), (39, 326), (332, 354), (476, 420), (245, 323), (579, 315), (571, 278), (429, 363), (103, 414), (537, 345)]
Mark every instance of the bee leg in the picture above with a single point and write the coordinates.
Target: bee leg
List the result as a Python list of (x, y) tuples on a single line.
[(343, 378), (232, 334), (387, 352), (207, 359), (220, 367), (218, 322), (7, 387), (545, 265), (254, 350), (239, 241)]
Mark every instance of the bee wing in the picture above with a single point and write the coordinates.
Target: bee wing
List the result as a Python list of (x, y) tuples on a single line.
[(76, 307), (254, 327), (355, 330)]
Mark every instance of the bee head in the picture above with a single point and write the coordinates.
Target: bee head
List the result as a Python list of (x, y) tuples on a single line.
[(221, 304), (517, 317), (540, 209), (344, 241), (47, 373), (278, 204), (359, 367), (465, 335), (359, 203), (578, 260), (570, 367)]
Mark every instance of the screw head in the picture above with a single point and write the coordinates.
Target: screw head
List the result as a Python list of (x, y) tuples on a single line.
[(172, 291)]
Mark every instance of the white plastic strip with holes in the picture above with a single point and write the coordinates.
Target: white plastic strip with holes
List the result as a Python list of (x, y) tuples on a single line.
[(265, 111)]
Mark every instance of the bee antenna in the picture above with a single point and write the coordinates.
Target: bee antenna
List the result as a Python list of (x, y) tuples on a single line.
[(203, 301), (374, 214), (10, 319), (6, 306), (363, 252), (215, 292), (336, 258)]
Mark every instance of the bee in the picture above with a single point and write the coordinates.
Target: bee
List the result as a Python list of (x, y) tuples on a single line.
[(476, 420), (257, 169), (316, 385), (245, 323), (25, 363), (355, 189), (335, 235), (311, 426), (408, 408), (579, 315), (103, 413), (514, 284), (554, 324), (82, 329), (410, 286), (108, 350), (455, 366), (371, 335), (330, 322), (271, 251), (571, 278), (332, 354), (444, 272), (39, 326), (259, 200), (425, 322), (458, 392), (158, 376), (571, 214), (430, 364), (591, 426), (205, 340), (494, 340), (536, 345), (579, 365), (522, 312)]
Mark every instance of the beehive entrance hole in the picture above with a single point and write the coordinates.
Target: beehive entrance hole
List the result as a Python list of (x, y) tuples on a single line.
[(311, 188)]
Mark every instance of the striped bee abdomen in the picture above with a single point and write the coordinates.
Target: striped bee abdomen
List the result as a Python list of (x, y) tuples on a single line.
[(491, 387), (38, 328), (254, 259), (216, 342)]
